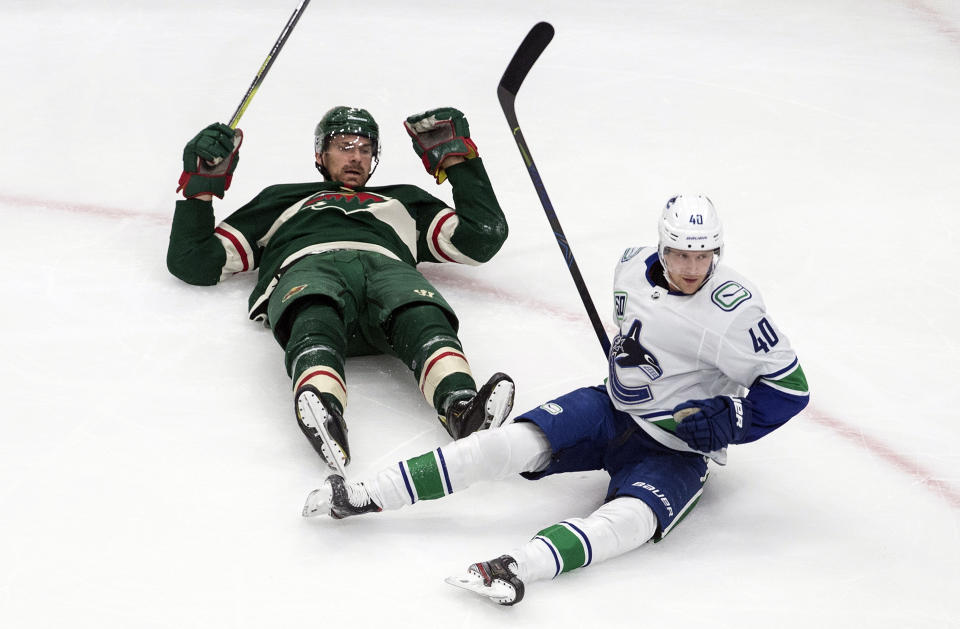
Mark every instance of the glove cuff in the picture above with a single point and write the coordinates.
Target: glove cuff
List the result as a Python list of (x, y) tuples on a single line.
[(201, 177), (457, 147), (195, 184)]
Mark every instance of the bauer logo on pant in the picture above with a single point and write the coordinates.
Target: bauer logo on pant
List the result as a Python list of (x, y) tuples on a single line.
[(657, 493)]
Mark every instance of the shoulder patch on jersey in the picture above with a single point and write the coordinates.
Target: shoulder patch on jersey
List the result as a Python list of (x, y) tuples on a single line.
[(630, 253), (619, 303), (729, 295)]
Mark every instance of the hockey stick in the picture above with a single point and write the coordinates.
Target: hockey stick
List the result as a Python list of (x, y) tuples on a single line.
[(265, 67), (527, 54)]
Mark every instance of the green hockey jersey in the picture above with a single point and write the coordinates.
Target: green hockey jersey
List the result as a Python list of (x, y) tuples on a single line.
[(286, 222)]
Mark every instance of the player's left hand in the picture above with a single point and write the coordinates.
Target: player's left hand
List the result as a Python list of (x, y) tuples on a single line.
[(718, 422), (439, 134)]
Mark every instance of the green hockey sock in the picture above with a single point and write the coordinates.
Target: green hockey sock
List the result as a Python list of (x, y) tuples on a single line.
[(568, 544), (426, 476)]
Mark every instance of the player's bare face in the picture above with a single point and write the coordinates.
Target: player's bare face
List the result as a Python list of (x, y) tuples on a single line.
[(687, 270), (348, 159)]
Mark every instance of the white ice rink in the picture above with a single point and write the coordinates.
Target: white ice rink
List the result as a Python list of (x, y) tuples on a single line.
[(151, 470)]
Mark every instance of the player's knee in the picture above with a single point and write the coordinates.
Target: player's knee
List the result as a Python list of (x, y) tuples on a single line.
[(310, 328), (628, 518), (411, 318), (309, 315), (514, 448), (416, 331)]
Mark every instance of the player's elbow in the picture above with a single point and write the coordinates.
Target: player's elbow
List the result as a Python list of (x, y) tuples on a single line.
[(490, 240), (182, 269)]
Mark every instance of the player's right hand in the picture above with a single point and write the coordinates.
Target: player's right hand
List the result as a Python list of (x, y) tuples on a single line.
[(716, 423), (209, 160)]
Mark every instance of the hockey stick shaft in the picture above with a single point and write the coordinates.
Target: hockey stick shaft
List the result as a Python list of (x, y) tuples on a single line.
[(527, 54), (267, 63)]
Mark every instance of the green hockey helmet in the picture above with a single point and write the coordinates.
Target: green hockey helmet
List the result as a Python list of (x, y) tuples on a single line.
[(349, 121), (342, 120)]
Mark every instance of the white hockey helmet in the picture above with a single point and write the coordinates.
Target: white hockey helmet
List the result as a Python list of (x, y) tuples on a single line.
[(689, 222)]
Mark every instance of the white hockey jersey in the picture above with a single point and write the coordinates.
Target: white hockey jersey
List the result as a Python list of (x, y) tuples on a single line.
[(672, 348)]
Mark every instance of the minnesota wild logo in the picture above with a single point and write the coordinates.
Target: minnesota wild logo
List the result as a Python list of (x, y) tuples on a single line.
[(341, 198), (293, 291)]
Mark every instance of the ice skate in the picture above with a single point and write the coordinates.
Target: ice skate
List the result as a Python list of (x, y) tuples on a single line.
[(324, 427), (494, 579), (339, 499), (489, 407)]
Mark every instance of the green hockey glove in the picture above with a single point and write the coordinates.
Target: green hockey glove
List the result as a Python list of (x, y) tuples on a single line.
[(438, 134), (209, 160)]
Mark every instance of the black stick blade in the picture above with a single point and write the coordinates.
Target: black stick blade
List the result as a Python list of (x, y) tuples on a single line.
[(527, 54)]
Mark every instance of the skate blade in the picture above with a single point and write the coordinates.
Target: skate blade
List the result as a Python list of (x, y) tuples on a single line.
[(498, 591), (316, 504), (500, 404), (314, 415), (336, 461)]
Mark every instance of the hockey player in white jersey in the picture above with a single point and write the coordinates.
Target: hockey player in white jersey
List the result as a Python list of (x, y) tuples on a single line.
[(698, 364)]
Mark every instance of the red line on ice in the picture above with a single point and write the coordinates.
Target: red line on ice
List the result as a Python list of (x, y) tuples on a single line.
[(878, 448), (942, 24), (85, 208), (847, 431)]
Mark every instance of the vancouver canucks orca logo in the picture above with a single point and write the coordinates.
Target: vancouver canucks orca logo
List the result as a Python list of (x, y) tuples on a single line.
[(627, 352)]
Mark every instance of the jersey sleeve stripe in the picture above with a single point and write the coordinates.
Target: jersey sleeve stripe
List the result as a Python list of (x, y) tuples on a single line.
[(439, 240), (795, 364), (782, 389), (794, 383), (239, 253), (435, 231)]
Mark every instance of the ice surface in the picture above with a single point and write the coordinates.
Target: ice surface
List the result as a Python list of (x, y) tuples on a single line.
[(151, 473)]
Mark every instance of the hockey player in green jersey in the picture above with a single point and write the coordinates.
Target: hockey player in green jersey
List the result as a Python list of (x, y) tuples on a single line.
[(337, 263)]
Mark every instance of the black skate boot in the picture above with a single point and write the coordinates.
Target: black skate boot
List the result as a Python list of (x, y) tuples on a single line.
[(324, 427), (340, 499), (494, 579), (489, 407)]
